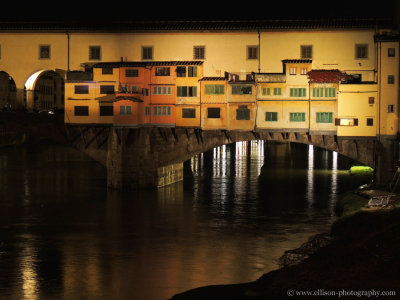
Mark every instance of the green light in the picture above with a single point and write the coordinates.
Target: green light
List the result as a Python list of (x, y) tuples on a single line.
[(361, 170)]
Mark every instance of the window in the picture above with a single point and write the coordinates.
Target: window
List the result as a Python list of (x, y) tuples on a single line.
[(318, 92), (161, 90), (277, 91), (292, 71), (271, 116), (147, 52), (303, 71), (391, 52), (241, 89), (106, 89), (266, 91), (199, 52), (324, 117), (346, 122), (243, 113), (297, 92), (297, 117), (361, 51), (324, 92), (107, 71), (180, 71), (390, 108), (131, 73), (162, 110), (214, 89), (44, 51), (145, 92), (306, 52), (188, 113), (135, 89), (390, 79), (192, 71), (81, 110), (147, 111), (252, 52), (186, 91), (125, 110), (370, 122), (106, 110), (371, 100), (94, 52), (213, 113), (81, 89), (162, 71), (330, 92)]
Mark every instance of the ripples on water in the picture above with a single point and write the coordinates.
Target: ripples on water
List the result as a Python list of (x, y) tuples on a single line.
[(63, 235)]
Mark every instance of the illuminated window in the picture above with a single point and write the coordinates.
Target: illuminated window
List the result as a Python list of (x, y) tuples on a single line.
[(44, 51), (106, 89), (162, 71), (292, 71), (297, 92), (271, 116), (252, 52), (81, 110), (81, 89), (306, 51), (94, 52), (324, 117), (186, 91), (214, 89), (147, 52), (303, 71), (125, 110), (361, 51), (131, 73), (391, 52), (106, 110), (370, 122), (213, 113), (390, 79), (188, 113), (199, 52), (346, 122), (297, 117), (241, 89), (243, 113)]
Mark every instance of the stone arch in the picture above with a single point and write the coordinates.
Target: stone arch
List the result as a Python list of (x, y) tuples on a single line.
[(8, 92), (44, 89)]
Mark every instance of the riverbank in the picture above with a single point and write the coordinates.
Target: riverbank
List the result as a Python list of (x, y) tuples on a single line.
[(359, 255)]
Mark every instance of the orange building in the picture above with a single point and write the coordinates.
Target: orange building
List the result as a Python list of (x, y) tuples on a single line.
[(214, 103)]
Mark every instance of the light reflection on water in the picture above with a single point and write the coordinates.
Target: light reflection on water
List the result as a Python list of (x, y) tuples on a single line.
[(63, 235)]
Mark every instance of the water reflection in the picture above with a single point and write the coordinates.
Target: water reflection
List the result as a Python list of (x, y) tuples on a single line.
[(64, 235)]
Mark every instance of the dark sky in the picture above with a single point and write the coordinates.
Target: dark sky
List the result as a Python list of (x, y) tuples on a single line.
[(197, 10)]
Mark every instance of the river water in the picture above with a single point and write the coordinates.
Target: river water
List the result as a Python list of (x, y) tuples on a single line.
[(64, 235)]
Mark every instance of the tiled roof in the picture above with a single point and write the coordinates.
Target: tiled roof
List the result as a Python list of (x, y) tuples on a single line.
[(297, 61), (326, 76), (213, 79), (146, 26), (122, 64)]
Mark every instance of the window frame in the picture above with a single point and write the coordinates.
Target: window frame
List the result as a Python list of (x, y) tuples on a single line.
[(84, 89), (93, 48), (252, 52), (212, 110), (43, 46), (358, 47), (188, 113), (304, 49), (297, 116), (147, 52), (324, 117), (199, 52), (271, 116)]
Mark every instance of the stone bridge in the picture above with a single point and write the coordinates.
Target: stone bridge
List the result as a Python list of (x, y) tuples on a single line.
[(149, 157), (152, 157)]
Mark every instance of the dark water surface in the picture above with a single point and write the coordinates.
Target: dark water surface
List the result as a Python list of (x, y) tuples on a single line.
[(63, 235)]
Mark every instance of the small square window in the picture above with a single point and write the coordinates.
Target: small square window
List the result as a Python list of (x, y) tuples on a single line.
[(147, 52), (370, 122), (391, 52), (306, 52), (390, 79), (199, 52), (94, 52), (371, 100), (44, 51), (252, 52), (361, 51)]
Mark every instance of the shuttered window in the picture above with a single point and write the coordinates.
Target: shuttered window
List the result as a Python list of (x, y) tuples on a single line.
[(271, 116), (297, 117), (324, 117)]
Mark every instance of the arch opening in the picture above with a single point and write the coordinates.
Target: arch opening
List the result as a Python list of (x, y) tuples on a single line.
[(8, 92), (44, 90)]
